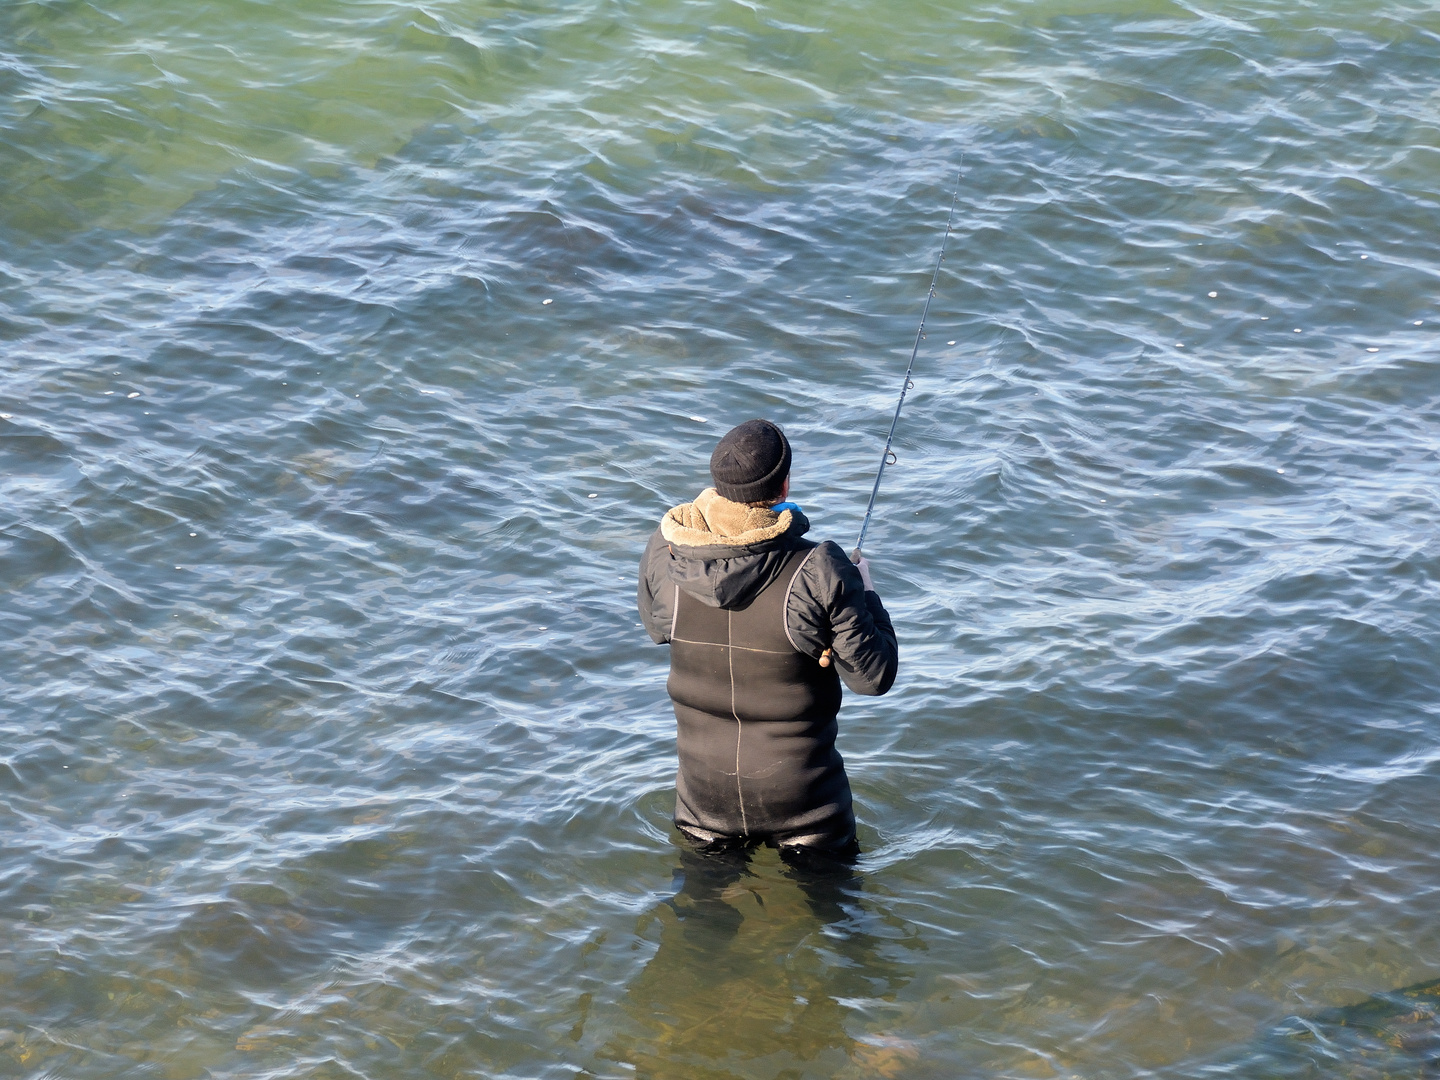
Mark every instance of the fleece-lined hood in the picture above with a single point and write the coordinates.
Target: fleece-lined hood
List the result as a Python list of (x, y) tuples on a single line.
[(722, 552)]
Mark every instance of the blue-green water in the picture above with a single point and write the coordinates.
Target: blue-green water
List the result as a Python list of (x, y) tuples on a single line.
[(330, 745)]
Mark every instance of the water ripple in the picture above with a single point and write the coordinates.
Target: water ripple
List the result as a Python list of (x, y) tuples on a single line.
[(351, 351)]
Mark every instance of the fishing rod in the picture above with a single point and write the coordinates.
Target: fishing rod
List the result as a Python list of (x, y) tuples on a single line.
[(887, 457)]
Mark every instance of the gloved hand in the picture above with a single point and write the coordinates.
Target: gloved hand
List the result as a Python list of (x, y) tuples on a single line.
[(863, 565)]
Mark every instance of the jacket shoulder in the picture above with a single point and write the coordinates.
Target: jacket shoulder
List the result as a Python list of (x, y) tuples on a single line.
[(817, 594), (830, 574), (833, 609), (651, 596)]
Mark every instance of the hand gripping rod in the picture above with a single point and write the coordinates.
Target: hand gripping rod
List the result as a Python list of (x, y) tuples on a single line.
[(888, 457)]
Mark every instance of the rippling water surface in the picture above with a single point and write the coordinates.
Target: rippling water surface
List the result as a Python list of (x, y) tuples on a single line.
[(352, 349)]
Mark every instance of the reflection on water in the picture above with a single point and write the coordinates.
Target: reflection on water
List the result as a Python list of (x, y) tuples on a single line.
[(765, 969), (329, 744)]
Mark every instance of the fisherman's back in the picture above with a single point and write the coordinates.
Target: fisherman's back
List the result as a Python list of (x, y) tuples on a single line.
[(755, 719), (749, 608)]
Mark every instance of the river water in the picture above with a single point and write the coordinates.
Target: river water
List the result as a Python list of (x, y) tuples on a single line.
[(351, 350)]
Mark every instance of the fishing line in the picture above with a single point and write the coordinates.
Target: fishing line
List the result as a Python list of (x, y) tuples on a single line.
[(888, 457)]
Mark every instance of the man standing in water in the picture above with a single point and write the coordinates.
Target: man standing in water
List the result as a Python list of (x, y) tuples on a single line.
[(762, 626)]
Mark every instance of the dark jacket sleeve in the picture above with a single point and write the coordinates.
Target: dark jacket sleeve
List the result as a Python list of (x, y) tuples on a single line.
[(828, 607), (654, 594)]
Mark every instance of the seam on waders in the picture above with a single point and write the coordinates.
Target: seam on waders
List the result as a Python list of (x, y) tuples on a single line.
[(675, 613), (785, 607), (739, 727), (741, 648)]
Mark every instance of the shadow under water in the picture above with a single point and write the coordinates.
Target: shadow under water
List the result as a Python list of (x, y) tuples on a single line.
[(764, 969), (1393, 1036)]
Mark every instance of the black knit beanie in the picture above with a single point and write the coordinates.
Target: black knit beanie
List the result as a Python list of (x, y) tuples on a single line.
[(751, 462)]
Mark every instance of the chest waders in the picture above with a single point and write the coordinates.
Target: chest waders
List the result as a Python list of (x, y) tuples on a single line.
[(755, 725)]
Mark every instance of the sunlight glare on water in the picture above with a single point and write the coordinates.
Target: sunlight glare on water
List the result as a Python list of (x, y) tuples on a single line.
[(352, 349)]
